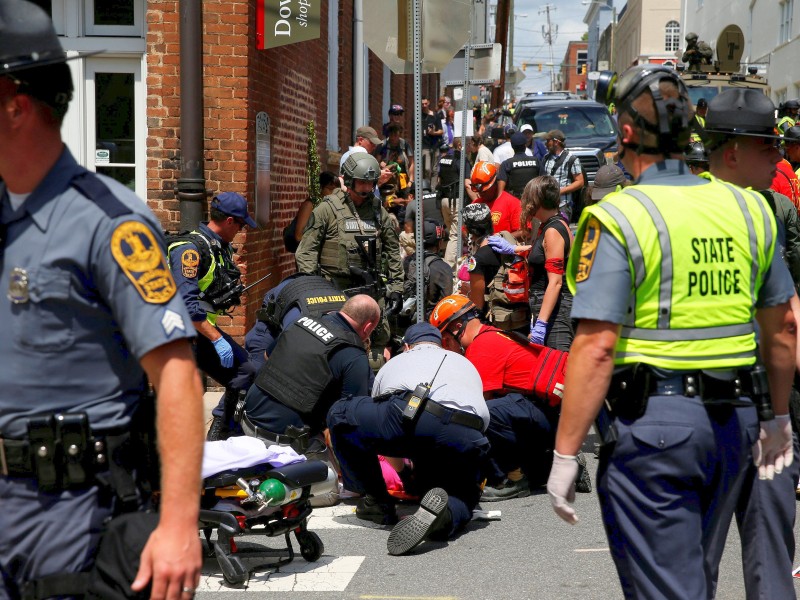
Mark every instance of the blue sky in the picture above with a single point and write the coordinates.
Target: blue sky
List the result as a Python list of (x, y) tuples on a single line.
[(529, 44)]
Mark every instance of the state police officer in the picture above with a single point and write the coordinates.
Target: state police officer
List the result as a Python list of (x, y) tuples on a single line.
[(88, 307), (666, 281), (210, 283), (350, 234), (517, 171), (744, 151)]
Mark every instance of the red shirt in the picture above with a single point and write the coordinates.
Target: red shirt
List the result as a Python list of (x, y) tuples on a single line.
[(503, 364), (506, 210), (786, 182)]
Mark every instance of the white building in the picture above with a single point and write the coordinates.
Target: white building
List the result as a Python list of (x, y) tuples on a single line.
[(770, 36)]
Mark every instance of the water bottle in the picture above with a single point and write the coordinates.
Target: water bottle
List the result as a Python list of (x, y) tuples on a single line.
[(275, 493)]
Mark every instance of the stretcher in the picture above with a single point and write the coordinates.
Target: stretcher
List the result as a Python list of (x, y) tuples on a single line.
[(264, 500)]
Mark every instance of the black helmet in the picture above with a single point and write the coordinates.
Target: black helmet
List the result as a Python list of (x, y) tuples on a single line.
[(695, 153), (360, 165), (478, 219), (740, 111), (791, 104), (672, 128), (432, 232), (792, 135)]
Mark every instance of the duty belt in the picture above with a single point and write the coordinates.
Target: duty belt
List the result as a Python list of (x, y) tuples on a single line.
[(452, 415), (299, 441), (727, 386)]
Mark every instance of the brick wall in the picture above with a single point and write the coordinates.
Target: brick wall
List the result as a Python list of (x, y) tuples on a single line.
[(289, 84)]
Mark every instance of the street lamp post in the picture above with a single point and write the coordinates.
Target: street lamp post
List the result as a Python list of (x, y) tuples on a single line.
[(510, 70)]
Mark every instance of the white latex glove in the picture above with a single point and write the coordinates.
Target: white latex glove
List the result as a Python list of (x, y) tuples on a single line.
[(561, 486), (773, 451)]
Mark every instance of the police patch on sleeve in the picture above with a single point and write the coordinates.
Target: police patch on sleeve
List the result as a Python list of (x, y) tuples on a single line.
[(190, 259), (591, 237), (471, 264), (136, 251)]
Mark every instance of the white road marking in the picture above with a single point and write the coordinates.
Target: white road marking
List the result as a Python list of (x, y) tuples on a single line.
[(342, 516), (328, 574)]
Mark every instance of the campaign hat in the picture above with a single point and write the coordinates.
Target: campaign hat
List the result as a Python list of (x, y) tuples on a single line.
[(741, 111)]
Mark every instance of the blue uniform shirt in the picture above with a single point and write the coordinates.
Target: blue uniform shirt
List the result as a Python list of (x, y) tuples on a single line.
[(93, 296), (259, 340)]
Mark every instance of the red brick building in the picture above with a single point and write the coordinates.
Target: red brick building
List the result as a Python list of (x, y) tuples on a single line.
[(130, 128), (572, 74)]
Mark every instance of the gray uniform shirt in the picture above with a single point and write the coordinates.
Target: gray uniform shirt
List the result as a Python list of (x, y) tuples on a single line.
[(84, 296), (458, 384), (607, 293)]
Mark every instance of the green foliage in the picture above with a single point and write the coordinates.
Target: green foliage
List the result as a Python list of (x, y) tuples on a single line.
[(312, 166)]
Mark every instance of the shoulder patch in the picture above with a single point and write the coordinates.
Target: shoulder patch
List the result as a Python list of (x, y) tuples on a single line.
[(190, 260), (138, 254), (471, 264), (591, 237)]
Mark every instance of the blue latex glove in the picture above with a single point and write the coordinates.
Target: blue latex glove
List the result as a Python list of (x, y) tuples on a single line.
[(538, 332), (500, 245), (224, 351)]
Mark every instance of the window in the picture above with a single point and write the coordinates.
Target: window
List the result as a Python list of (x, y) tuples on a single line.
[(581, 58), (672, 36), (120, 17), (785, 32)]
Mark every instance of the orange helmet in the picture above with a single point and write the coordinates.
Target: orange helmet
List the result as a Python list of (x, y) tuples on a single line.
[(451, 308), (483, 175)]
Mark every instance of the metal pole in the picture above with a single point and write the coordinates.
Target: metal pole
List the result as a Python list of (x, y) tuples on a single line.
[(418, 230), (191, 185), (359, 68), (463, 161)]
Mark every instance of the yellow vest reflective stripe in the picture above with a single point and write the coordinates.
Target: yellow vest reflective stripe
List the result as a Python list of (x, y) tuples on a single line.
[(696, 313), (204, 281)]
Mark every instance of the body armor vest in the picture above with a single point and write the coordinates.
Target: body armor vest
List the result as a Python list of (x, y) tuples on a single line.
[(340, 249), (313, 295), (521, 168), (449, 174), (297, 371), (219, 279)]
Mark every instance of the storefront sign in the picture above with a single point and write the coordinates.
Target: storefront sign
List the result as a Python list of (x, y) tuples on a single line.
[(284, 22)]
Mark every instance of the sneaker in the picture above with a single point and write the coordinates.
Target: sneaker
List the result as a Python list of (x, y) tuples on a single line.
[(583, 484), (507, 490), (218, 430), (381, 513), (430, 518)]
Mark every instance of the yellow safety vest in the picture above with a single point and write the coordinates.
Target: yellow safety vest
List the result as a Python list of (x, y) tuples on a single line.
[(697, 256)]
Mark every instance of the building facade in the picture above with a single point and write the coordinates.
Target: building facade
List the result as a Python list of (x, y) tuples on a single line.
[(574, 68)]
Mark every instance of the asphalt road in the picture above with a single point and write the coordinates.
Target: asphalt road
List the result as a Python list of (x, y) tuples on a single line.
[(529, 554)]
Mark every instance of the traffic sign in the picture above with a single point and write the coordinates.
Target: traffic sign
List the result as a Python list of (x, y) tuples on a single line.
[(389, 32)]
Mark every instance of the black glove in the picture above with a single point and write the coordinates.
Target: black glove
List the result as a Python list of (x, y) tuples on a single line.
[(394, 303)]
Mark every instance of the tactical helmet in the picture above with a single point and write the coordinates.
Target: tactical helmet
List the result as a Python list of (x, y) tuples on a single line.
[(362, 166), (478, 219), (432, 232), (695, 153), (452, 308), (691, 36), (792, 135), (791, 104), (740, 111), (483, 175), (673, 114)]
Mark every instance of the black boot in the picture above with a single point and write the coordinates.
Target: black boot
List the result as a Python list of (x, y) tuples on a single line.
[(431, 518), (381, 513), (218, 430)]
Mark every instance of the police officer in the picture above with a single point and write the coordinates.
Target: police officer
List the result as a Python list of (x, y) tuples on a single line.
[(744, 152), (88, 308), (339, 239), (788, 115), (314, 363), (666, 281), (297, 295), (696, 158), (517, 171), (442, 435), (437, 274), (210, 283), (450, 184)]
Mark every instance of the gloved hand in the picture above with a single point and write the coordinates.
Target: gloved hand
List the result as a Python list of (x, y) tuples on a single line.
[(538, 332), (394, 303), (498, 244), (561, 486), (773, 451), (224, 351)]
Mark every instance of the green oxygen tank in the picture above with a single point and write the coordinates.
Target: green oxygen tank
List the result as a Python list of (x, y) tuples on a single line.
[(275, 493)]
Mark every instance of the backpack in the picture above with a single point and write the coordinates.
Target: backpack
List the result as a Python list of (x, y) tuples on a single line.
[(577, 197), (508, 292)]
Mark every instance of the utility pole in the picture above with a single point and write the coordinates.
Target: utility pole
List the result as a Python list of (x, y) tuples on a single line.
[(549, 34), (501, 37)]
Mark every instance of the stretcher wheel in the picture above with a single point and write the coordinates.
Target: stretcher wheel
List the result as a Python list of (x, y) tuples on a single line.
[(311, 546)]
